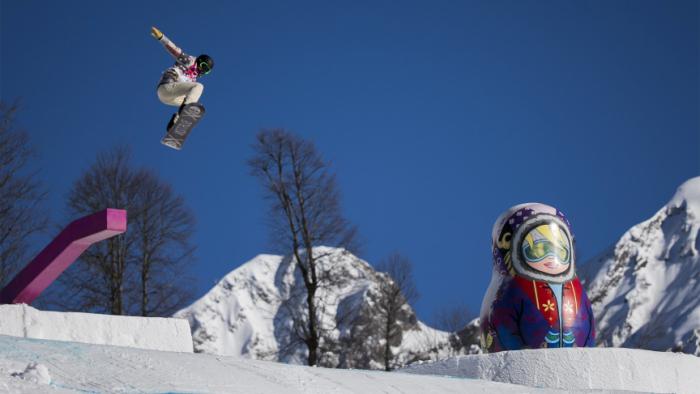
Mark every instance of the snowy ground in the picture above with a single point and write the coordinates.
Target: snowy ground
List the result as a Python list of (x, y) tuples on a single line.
[(578, 368), (31, 365), (152, 333)]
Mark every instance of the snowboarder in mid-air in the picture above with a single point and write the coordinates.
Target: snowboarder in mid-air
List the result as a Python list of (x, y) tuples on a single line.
[(179, 87)]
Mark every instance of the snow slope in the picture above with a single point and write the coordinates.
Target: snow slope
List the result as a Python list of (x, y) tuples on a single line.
[(249, 312), (645, 290), (577, 369), (31, 366), (154, 333)]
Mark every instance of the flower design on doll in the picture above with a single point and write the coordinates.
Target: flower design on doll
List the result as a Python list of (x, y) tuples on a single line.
[(549, 306)]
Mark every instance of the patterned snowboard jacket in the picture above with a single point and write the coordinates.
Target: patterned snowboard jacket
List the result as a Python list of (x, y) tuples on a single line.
[(184, 69)]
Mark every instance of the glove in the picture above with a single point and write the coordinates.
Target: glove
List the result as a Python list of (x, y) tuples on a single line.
[(157, 34)]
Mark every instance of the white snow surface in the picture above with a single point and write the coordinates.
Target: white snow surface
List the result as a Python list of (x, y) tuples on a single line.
[(33, 366), (577, 369), (153, 333), (689, 194), (245, 314), (644, 290), (235, 317)]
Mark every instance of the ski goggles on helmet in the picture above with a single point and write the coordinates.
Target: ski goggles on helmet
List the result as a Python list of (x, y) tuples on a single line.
[(546, 240), (203, 68)]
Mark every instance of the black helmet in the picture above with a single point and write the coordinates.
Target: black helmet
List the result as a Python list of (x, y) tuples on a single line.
[(204, 64)]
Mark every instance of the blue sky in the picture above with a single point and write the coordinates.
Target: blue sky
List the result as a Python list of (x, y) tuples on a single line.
[(436, 115)]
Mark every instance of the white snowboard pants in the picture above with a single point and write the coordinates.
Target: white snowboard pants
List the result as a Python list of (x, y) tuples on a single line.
[(177, 93)]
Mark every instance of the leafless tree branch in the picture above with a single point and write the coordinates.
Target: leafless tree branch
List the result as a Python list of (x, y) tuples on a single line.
[(143, 271), (21, 195), (304, 213)]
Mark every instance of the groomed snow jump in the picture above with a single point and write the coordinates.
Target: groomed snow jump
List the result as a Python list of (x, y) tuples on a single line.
[(577, 369)]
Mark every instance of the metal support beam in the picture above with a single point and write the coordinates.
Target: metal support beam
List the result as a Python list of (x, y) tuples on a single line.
[(61, 253)]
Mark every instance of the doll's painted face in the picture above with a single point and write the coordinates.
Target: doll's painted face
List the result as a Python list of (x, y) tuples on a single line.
[(547, 249)]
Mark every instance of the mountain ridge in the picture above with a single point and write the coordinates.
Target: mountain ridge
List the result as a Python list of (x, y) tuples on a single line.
[(643, 289), (250, 313)]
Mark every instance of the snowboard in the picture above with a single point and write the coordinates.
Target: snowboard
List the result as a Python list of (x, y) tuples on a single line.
[(190, 115)]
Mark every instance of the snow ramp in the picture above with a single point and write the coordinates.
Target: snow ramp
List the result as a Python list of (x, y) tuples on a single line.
[(577, 369), (33, 366)]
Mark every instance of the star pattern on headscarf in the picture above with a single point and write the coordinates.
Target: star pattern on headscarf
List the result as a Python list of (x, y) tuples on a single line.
[(519, 217)]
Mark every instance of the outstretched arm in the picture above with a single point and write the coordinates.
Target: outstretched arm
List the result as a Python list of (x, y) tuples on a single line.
[(169, 45)]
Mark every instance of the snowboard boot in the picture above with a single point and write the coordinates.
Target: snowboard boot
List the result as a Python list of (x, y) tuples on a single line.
[(173, 120), (176, 116)]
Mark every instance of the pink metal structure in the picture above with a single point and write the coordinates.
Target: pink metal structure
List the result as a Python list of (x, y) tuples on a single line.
[(61, 253)]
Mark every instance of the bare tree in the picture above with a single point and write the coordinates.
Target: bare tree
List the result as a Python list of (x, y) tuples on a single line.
[(463, 326), (304, 212), (393, 307), (97, 281), (20, 195), (140, 272), (453, 318), (162, 225)]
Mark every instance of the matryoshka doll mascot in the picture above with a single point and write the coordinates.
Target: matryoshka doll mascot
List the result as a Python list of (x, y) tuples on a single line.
[(535, 299)]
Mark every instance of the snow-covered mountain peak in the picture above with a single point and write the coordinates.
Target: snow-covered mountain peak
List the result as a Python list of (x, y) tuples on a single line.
[(251, 311), (644, 289), (688, 195)]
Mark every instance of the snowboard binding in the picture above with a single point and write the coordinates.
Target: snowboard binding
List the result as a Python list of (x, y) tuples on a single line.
[(181, 124)]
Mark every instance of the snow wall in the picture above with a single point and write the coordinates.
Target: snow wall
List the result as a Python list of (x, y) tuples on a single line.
[(577, 369), (153, 333)]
